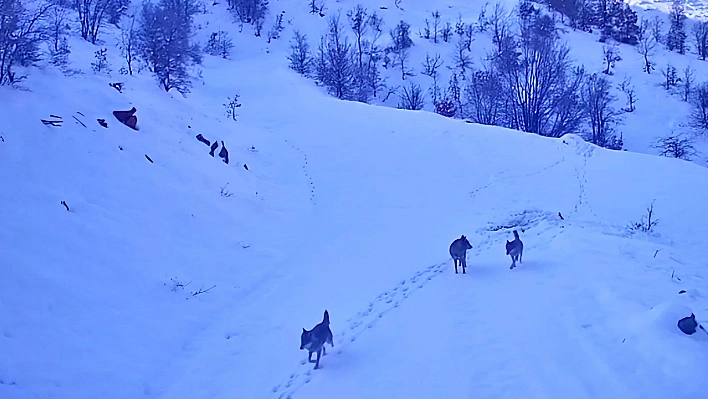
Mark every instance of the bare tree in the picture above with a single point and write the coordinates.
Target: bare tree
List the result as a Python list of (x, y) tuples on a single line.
[(676, 146), (250, 12), (601, 115), (469, 36), (699, 116), (411, 97), (671, 78), (431, 65), (334, 64), (461, 58), (400, 37), (165, 30), (373, 54), (317, 7), (499, 26), (646, 224), (628, 90), (646, 45), (611, 55), (446, 32), (676, 38), (58, 30), (436, 25), (129, 44), (357, 21), (655, 28), (484, 98), (300, 59), (20, 36), (540, 83), (92, 14), (219, 44), (700, 38), (430, 68), (687, 82)]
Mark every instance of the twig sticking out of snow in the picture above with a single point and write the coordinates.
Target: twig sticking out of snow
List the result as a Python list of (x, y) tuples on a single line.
[(77, 119), (672, 276), (203, 291), (65, 205)]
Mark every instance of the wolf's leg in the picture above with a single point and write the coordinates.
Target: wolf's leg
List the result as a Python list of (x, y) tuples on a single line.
[(324, 351), (319, 353), (464, 265), (455, 261), (309, 357)]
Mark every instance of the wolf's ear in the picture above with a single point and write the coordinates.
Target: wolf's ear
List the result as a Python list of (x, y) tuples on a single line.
[(462, 236), (303, 330)]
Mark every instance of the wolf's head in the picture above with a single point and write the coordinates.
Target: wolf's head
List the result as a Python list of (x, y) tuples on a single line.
[(467, 243), (305, 339)]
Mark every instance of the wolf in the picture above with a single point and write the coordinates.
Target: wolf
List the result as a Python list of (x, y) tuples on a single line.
[(458, 251), (515, 249), (315, 339)]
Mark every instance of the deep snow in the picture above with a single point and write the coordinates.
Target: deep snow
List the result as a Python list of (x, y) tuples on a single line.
[(346, 207)]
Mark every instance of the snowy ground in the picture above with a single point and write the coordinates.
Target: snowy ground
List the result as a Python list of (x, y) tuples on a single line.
[(346, 207)]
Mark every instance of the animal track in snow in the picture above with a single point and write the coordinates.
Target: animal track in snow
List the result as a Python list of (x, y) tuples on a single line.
[(360, 322), (304, 169)]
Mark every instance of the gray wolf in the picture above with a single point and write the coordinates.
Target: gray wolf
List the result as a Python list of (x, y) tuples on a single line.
[(315, 339), (458, 251), (515, 249)]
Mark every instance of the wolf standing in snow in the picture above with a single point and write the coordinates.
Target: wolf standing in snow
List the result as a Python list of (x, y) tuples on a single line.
[(458, 251), (515, 249), (315, 339)]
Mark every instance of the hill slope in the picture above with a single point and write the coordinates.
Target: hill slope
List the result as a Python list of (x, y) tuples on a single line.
[(345, 207)]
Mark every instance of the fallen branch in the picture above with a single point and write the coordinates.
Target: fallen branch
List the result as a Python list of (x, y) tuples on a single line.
[(53, 123), (178, 284), (148, 158), (672, 276), (65, 206), (55, 116), (77, 119), (203, 291)]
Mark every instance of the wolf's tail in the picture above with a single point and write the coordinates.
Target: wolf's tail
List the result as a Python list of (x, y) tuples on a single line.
[(326, 317)]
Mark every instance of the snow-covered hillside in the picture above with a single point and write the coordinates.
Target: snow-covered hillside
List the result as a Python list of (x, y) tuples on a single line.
[(336, 205)]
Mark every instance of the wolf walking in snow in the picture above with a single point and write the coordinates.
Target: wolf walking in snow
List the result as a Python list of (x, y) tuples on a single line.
[(458, 251), (315, 339), (515, 249)]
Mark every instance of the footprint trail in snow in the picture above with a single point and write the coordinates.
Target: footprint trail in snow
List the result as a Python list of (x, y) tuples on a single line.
[(362, 321)]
